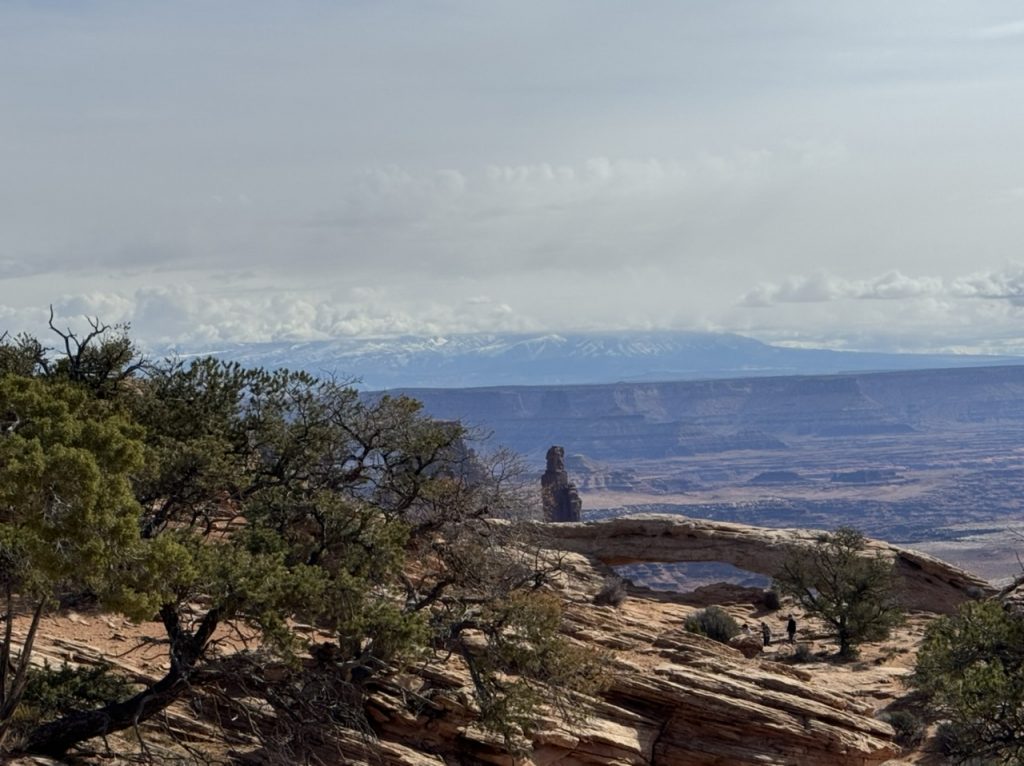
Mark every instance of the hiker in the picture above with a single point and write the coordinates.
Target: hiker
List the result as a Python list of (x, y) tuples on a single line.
[(746, 629), (791, 628), (766, 634)]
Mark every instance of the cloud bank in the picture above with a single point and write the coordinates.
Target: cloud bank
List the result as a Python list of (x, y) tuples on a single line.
[(892, 312), (247, 171)]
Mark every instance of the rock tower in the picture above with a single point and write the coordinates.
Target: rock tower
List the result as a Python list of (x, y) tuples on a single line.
[(559, 496)]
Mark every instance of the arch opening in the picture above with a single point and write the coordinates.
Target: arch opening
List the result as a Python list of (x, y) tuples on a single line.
[(688, 576)]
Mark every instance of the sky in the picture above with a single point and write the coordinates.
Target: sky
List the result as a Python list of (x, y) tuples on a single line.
[(845, 175)]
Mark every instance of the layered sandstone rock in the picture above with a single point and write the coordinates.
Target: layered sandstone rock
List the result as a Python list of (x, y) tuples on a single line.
[(925, 583), (674, 698)]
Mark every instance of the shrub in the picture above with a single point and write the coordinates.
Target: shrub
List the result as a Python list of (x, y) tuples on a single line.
[(970, 668), (713, 622), (612, 593), (771, 601), (802, 653), (908, 727)]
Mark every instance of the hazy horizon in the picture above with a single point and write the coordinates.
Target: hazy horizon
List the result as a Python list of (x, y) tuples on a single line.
[(842, 176)]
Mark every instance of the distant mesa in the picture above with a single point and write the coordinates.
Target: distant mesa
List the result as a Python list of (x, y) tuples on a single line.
[(707, 441), (592, 476), (625, 423), (868, 476), (560, 498), (669, 485), (580, 463), (777, 477), (753, 438)]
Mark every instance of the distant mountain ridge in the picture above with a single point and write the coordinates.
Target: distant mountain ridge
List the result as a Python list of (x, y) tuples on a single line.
[(494, 359)]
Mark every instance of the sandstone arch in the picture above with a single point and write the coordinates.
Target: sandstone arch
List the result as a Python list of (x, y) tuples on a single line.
[(925, 583)]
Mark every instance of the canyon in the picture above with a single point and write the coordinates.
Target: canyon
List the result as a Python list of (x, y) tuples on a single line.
[(932, 459)]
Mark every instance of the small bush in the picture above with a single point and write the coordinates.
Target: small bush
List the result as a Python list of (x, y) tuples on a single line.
[(612, 593), (713, 622), (802, 653), (908, 727), (771, 601)]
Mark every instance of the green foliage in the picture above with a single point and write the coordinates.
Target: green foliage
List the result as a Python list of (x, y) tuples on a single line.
[(971, 667), (21, 355), (69, 520), (713, 622), (525, 661), (214, 496), (909, 728), (66, 502), (50, 692), (851, 592)]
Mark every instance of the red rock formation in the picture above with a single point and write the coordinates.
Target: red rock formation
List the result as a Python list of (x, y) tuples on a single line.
[(674, 698), (923, 582), (560, 498)]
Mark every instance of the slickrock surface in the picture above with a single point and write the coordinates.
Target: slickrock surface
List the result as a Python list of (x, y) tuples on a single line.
[(675, 698), (925, 583)]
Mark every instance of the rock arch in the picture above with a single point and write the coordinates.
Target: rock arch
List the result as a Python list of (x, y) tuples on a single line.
[(925, 582)]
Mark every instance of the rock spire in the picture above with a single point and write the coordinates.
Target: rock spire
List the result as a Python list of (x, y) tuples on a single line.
[(559, 496)]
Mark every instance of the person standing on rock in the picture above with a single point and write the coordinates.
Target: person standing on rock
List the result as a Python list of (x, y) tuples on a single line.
[(766, 634), (791, 628)]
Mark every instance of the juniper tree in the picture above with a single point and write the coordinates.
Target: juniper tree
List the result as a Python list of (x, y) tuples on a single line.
[(851, 591), (68, 517), (249, 499), (971, 668)]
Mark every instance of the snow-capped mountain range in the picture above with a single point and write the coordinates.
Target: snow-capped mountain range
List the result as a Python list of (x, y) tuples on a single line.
[(458, 361)]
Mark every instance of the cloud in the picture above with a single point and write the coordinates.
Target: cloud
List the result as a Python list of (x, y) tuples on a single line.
[(393, 223), (819, 308), (183, 316), (16, 268), (892, 311), (1005, 285), (589, 216), (1007, 30), (890, 286), (979, 312), (895, 286), (107, 307), (818, 288), (310, 169)]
